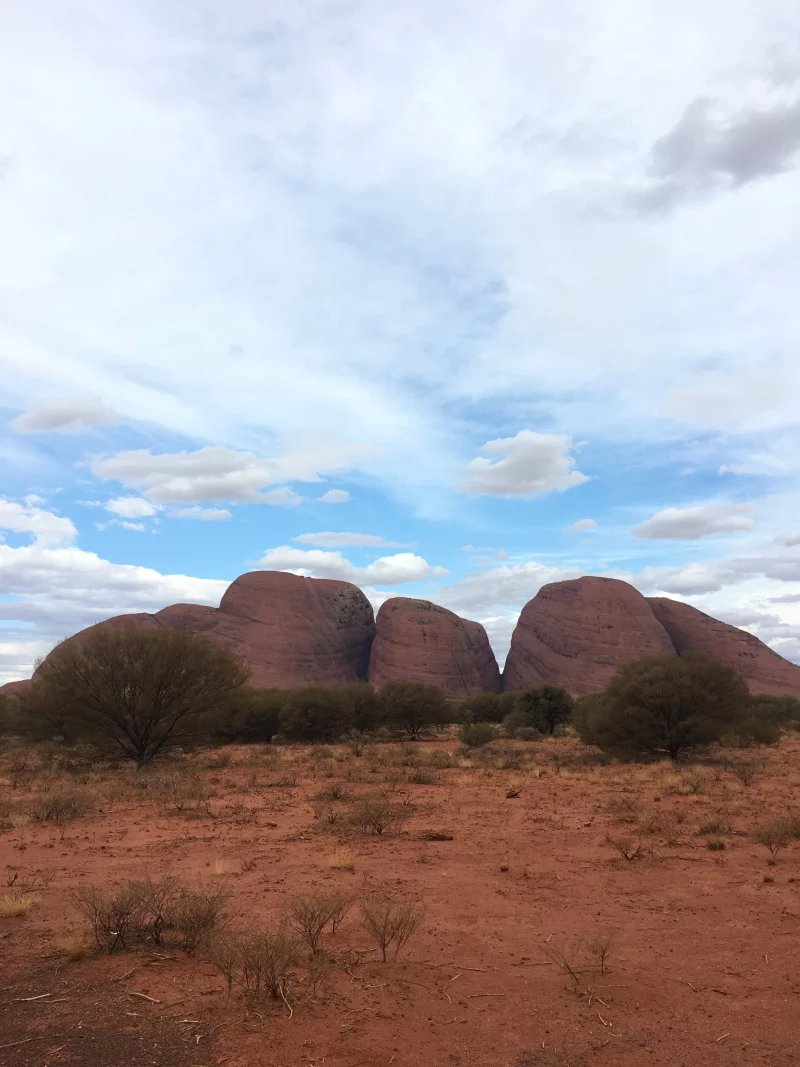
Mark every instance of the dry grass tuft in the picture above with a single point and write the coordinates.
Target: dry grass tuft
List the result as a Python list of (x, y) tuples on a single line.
[(15, 904), (342, 859)]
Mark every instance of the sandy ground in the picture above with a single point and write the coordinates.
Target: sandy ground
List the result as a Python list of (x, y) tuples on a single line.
[(702, 968)]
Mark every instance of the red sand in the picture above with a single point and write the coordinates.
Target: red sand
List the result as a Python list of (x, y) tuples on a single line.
[(702, 970)]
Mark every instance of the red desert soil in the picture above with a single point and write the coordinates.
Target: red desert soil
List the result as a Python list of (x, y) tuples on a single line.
[(702, 969)]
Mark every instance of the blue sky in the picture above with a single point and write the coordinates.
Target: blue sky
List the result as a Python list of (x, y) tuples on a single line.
[(448, 300)]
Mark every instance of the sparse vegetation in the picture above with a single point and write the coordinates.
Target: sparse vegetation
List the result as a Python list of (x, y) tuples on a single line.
[(391, 924)]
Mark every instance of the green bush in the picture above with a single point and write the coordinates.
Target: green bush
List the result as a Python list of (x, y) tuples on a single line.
[(543, 708), (486, 707), (663, 705), (477, 734), (315, 714), (413, 708)]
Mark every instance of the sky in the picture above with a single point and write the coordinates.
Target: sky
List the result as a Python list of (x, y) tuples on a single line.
[(448, 300)]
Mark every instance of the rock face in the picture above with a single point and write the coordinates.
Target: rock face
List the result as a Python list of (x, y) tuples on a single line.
[(690, 630), (14, 689), (576, 633), (418, 641), (291, 631)]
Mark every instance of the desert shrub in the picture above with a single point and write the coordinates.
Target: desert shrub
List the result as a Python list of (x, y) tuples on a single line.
[(663, 705), (312, 912), (252, 715), (628, 848), (780, 711), (476, 734), (15, 904), (264, 960), (413, 708), (717, 824), (743, 770), (365, 707), (543, 708), (57, 807), (391, 924), (715, 845), (599, 946), (525, 733), (423, 776), (315, 714), (181, 792), (197, 914), (378, 813), (114, 915), (753, 730), (486, 707), (774, 835), (135, 693), (624, 809)]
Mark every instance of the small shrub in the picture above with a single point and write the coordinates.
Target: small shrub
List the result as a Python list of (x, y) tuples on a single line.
[(114, 916), (774, 835), (744, 770), (15, 904), (342, 859), (197, 915), (58, 807), (378, 813), (628, 849), (715, 845), (391, 924), (423, 776), (477, 734), (310, 914), (600, 945), (435, 835), (716, 825), (264, 959)]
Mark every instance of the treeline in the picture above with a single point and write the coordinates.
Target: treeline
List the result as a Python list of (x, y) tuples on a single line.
[(135, 694)]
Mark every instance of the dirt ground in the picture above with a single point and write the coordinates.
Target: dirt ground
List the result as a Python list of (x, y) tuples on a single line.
[(703, 966)]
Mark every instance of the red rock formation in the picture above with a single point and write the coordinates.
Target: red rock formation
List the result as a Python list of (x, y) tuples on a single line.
[(291, 631), (576, 633), (691, 630), (417, 641), (14, 689)]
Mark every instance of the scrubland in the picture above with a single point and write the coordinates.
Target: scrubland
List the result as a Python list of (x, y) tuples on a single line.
[(537, 903)]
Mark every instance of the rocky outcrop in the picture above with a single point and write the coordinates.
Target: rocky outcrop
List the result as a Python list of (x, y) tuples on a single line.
[(577, 633), (291, 631), (14, 689), (690, 630), (418, 641)]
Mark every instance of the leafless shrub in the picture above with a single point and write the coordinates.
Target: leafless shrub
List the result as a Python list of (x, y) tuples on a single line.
[(423, 776), (197, 915), (718, 824), (628, 849), (693, 780), (335, 791), (378, 813), (774, 835), (391, 923), (58, 807), (265, 959), (114, 916), (623, 809), (566, 958), (744, 770), (183, 793), (156, 906), (600, 945)]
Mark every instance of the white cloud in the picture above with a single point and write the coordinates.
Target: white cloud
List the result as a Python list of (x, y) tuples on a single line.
[(44, 526), (704, 520), (131, 507), (342, 539), (582, 525), (397, 569), (61, 590), (204, 514), (335, 496), (69, 416), (525, 465), (212, 474)]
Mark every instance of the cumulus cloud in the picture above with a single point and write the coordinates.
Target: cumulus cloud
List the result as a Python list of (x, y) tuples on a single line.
[(525, 465), (131, 507), (68, 416), (204, 514), (335, 496), (703, 520), (582, 526), (396, 570), (54, 591), (342, 539), (708, 148), (45, 527), (213, 474)]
